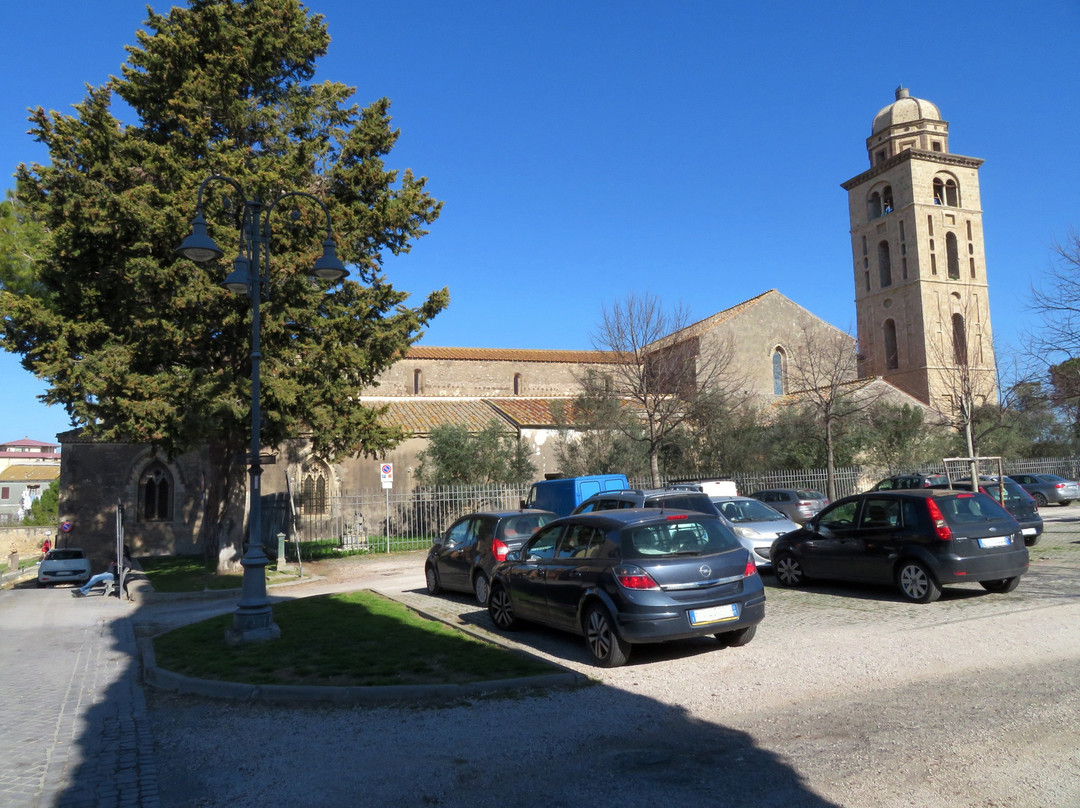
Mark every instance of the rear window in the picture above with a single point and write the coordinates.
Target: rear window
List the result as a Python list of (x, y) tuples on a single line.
[(64, 555), (677, 537), (686, 502), (1013, 492), (807, 494), (968, 509), (521, 527)]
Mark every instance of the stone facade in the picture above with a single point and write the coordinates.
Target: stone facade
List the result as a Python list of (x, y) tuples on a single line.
[(921, 287)]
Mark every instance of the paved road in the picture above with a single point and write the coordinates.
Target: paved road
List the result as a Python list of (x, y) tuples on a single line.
[(847, 697)]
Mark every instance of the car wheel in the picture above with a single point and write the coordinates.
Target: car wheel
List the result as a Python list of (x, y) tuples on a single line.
[(916, 583), (788, 570), (604, 643), (41, 584), (482, 588), (1002, 586), (1065, 502), (1031, 541), (501, 610), (1040, 499), (733, 639), (432, 579)]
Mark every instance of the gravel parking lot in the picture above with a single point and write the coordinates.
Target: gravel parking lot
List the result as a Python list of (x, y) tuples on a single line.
[(848, 696)]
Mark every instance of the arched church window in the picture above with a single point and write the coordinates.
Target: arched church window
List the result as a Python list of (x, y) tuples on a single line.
[(946, 192), (314, 489), (417, 381), (518, 384), (779, 372), (892, 358), (952, 256), (155, 494), (959, 335), (884, 264), (886, 199)]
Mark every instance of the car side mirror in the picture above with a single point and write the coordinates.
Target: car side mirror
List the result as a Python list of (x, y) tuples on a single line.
[(513, 555)]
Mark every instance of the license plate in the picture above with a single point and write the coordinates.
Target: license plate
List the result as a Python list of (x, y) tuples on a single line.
[(1029, 531), (714, 614), (994, 541)]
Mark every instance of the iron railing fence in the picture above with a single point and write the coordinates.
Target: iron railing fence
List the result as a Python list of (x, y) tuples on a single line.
[(387, 520)]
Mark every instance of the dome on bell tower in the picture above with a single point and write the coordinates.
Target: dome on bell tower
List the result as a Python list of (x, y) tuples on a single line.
[(906, 109)]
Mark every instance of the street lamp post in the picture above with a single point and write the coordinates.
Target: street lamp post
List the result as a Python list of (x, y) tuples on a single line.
[(253, 620)]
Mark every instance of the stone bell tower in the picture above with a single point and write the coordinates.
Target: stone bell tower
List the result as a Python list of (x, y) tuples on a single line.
[(920, 268)]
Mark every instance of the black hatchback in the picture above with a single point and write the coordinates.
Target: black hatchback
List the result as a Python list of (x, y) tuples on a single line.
[(638, 575), (917, 539), (462, 558)]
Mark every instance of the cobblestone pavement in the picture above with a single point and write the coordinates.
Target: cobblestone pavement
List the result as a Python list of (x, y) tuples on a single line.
[(73, 724)]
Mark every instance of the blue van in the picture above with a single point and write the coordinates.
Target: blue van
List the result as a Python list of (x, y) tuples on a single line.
[(563, 494)]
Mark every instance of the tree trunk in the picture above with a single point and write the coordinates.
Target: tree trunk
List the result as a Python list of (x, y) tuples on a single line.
[(830, 463), (226, 507), (654, 466)]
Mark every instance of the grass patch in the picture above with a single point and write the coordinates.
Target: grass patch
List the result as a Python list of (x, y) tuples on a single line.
[(355, 638), (193, 574)]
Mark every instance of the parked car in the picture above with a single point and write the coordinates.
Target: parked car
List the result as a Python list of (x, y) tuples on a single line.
[(919, 540), (463, 557), (1018, 502), (620, 577), (902, 482), (67, 566), (755, 523), (649, 498), (797, 504), (1045, 488)]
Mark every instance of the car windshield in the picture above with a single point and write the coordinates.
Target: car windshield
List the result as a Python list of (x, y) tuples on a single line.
[(64, 555), (676, 536), (748, 510), (966, 509)]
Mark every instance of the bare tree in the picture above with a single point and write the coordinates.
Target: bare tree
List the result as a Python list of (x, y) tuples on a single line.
[(661, 368), (1057, 302), (822, 376)]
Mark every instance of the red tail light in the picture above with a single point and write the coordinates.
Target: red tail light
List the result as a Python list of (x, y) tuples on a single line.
[(940, 527), (631, 577), (1059, 485), (499, 550), (751, 568)]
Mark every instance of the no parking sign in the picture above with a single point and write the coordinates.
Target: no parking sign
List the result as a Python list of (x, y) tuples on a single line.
[(386, 471)]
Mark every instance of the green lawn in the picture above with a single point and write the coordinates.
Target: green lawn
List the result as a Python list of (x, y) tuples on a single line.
[(357, 638), (191, 574)]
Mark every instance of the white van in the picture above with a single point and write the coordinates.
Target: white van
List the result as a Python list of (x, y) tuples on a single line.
[(714, 488)]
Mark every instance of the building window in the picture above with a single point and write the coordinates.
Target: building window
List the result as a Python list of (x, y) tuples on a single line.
[(952, 256), (779, 372), (903, 267), (971, 266), (935, 145), (892, 359), (5, 493), (884, 264), (155, 494), (518, 384), (417, 382), (867, 276), (930, 227), (873, 206), (886, 199), (946, 192), (313, 489), (959, 336)]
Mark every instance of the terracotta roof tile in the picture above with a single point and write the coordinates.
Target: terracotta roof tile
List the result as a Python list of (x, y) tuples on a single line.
[(420, 416), (509, 355)]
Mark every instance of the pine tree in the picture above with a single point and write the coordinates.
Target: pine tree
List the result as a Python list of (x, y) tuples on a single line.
[(140, 345)]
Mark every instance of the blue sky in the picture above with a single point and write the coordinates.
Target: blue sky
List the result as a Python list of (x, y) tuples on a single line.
[(691, 149)]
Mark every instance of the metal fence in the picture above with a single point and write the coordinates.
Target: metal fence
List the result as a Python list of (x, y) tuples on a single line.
[(385, 520)]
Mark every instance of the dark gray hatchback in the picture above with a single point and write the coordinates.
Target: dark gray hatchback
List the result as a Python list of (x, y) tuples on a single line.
[(639, 575), (918, 540)]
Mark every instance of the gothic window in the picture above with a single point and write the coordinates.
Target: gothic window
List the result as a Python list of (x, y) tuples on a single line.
[(313, 489), (779, 372), (155, 494), (952, 256), (884, 264), (886, 199), (892, 358), (417, 382), (959, 335)]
